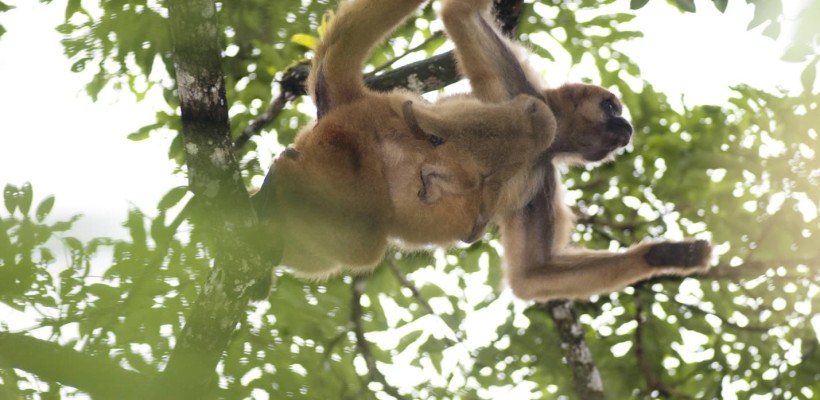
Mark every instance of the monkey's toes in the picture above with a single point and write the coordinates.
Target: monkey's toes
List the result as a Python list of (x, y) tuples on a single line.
[(679, 254)]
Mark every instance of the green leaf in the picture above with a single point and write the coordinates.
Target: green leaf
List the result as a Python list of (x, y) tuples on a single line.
[(74, 243), (773, 30), (172, 198), (685, 5), (145, 132), (136, 227), (407, 340), (46, 255), (636, 4), (5, 7), (158, 230), (797, 52), (72, 7), (44, 208), (430, 291), (720, 5), (809, 75), (10, 197), (765, 11), (26, 196)]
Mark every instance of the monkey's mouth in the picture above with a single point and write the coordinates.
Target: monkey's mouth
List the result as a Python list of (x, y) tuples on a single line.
[(619, 131), (611, 142)]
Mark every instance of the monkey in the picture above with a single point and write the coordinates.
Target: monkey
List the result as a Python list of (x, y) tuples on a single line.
[(378, 168), (540, 263)]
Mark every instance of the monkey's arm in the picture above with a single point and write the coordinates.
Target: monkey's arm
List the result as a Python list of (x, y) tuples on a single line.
[(336, 74), (484, 56)]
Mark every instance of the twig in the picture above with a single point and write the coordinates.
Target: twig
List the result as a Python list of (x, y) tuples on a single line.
[(754, 269), (459, 337), (653, 383), (362, 345), (423, 44), (724, 320), (255, 127)]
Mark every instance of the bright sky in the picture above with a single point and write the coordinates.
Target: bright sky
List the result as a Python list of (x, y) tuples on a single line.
[(66, 145)]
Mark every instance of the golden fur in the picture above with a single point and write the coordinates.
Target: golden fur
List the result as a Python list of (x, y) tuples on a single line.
[(381, 167), (540, 262)]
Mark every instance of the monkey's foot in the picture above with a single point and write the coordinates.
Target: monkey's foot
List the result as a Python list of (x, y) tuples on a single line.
[(679, 254)]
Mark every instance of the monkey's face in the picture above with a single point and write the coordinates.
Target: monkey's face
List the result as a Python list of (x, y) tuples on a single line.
[(590, 124)]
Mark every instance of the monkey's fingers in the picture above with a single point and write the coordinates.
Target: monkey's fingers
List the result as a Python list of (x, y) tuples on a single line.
[(682, 254)]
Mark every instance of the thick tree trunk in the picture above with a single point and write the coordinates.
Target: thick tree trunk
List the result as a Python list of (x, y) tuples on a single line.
[(215, 179)]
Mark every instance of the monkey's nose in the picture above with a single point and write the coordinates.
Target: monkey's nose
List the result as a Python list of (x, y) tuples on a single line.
[(622, 130)]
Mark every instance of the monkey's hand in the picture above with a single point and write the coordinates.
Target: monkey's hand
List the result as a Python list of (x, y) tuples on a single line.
[(690, 254)]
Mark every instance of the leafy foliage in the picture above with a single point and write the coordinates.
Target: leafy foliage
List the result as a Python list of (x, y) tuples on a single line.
[(437, 324)]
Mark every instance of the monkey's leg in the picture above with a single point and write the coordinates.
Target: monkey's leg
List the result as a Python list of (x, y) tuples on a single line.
[(484, 56), (336, 77), (583, 273), (541, 266)]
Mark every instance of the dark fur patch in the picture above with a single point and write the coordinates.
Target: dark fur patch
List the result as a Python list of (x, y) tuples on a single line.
[(515, 80), (291, 153), (264, 201), (683, 254), (344, 145), (321, 93), (539, 220)]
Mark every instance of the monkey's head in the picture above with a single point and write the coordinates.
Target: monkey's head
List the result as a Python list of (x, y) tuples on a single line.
[(590, 125)]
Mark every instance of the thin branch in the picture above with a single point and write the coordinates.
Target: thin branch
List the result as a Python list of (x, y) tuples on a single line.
[(362, 345), (697, 310), (292, 85), (653, 383), (423, 44), (459, 337), (255, 127), (586, 379), (754, 269), (409, 285)]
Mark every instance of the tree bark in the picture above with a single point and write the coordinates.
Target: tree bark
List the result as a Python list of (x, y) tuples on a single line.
[(586, 380), (216, 181)]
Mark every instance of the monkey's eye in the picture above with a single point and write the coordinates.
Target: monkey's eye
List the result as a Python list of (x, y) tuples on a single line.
[(610, 108), (435, 140)]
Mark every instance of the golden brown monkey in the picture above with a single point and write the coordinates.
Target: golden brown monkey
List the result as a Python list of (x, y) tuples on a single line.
[(377, 167), (541, 264)]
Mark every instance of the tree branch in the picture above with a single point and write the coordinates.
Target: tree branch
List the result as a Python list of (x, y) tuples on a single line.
[(653, 383), (457, 335), (224, 206), (586, 379), (362, 345), (95, 375), (292, 86), (423, 76)]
